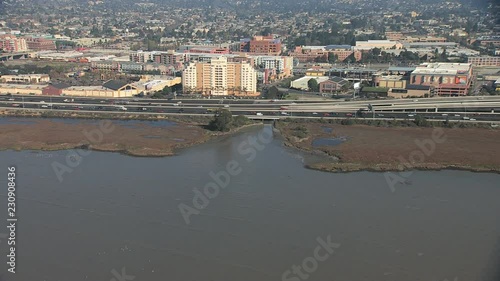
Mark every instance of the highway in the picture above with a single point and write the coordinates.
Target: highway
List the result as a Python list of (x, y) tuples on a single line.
[(484, 108)]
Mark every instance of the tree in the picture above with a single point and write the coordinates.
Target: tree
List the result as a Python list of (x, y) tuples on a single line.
[(272, 93), (167, 90), (332, 57), (313, 85), (222, 121)]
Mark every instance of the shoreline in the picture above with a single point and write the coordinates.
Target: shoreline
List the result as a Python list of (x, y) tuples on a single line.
[(44, 136), (335, 162)]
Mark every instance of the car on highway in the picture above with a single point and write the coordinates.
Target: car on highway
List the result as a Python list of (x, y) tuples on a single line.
[(315, 113), (457, 115), (16, 105), (227, 105), (144, 109), (444, 114), (466, 118), (349, 114), (68, 100), (472, 119), (326, 114), (259, 114), (380, 115), (44, 106), (181, 110), (284, 113), (411, 115), (11, 99)]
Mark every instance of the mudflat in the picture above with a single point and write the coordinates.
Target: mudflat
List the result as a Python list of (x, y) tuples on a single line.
[(138, 138), (365, 147)]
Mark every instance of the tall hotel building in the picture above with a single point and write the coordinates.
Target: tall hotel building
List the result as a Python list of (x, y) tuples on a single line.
[(220, 77)]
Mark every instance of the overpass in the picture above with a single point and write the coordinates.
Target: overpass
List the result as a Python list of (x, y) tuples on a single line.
[(14, 56)]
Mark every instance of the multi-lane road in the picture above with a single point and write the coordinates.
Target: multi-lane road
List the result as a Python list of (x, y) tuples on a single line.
[(485, 108)]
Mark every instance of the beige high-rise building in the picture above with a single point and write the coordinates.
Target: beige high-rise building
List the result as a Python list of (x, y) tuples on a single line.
[(220, 78)]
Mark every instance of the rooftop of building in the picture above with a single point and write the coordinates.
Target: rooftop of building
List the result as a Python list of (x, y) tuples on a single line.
[(401, 68), (319, 79), (392, 77), (338, 47), (442, 68), (24, 75)]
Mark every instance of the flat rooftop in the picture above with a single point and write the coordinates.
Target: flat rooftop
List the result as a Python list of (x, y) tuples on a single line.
[(443, 68)]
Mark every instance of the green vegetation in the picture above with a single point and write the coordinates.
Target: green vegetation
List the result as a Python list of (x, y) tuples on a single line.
[(223, 121), (300, 132), (313, 85), (418, 122)]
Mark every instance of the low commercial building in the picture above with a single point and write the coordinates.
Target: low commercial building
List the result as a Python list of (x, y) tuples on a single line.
[(151, 83), (333, 84), (110, 89), (411, 91), (380, 44), (450, 79), (303, 82), (20, 89), (390, 81), (25, 78)]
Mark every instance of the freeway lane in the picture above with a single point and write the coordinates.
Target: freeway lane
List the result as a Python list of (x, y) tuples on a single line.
[(481, 108), (250, 111), (267, 117)]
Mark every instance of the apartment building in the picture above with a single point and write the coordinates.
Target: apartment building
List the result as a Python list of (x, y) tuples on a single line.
[(220, 77), (449, 79), (484, 61), (306, 54), (343, 52), (40, 44), (265, 45), (282, 65), (10, 43), (141, 56)]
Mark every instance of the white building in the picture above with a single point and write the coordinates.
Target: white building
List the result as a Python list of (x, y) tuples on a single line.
[(302, 83), (220, 77)]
